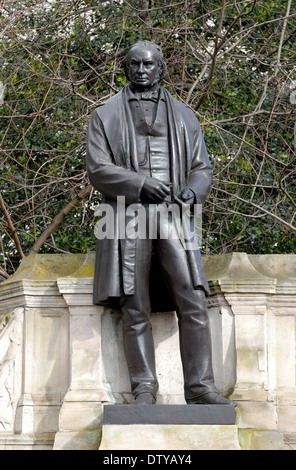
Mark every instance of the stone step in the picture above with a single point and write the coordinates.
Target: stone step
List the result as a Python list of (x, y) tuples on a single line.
[(169, 414), (169, 427)]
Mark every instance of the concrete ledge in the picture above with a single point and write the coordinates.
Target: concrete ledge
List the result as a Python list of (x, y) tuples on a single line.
[(169, 414), (169, 437), (25, 442)]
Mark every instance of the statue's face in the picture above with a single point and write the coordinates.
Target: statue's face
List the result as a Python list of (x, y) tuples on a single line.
[(144, 67)]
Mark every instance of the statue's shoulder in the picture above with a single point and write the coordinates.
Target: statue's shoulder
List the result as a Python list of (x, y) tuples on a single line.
[(180, 105), (109, 103), (184, 110), (108, 111)]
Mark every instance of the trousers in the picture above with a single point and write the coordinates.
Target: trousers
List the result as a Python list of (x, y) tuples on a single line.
[(190, 307)]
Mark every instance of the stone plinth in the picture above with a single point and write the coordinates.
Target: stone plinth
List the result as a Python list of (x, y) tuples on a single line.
[(61, 357), (168, 427), (169, 414)]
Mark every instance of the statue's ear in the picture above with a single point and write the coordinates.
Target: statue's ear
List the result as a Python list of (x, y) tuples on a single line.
[(164, 69), (126, 69)]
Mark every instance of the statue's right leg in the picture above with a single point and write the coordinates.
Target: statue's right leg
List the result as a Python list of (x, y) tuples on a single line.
[(137, 332)]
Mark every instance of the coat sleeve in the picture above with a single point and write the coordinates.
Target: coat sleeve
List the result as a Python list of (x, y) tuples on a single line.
[(110, 179), (201, 173)]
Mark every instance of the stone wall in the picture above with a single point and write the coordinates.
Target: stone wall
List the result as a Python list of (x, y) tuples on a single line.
[(61, 357)]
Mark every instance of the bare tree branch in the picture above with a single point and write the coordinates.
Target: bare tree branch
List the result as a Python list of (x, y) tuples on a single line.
[(59, 219), (11, 228)]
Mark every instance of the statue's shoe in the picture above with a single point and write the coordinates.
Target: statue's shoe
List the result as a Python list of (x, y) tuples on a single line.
[(211, 399), (145, 399)]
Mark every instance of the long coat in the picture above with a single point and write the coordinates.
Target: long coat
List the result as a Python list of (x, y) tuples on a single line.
[(112, 167)]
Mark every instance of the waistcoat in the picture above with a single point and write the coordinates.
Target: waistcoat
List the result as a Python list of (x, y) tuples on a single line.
[(152, 138)]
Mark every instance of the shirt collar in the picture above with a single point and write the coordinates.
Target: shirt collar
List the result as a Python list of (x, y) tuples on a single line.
[(145, 95)]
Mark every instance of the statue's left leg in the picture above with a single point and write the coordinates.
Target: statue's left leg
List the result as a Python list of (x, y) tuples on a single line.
[(194, 332)]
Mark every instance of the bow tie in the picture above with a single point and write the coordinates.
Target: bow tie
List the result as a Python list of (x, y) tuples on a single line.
[(148, 95)]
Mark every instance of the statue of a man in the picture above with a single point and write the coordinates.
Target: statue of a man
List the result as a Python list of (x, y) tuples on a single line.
[(147, 147)]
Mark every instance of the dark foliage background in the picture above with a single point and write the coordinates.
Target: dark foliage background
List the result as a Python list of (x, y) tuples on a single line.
[(233, 62)]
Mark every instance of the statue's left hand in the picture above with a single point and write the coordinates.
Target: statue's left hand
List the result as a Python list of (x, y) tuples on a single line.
[(187, 197)]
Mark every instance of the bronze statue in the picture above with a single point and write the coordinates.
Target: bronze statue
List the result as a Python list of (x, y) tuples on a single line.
[(147, 147)]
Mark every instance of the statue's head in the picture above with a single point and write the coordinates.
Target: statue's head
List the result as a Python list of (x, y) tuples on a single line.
[(144, 65)]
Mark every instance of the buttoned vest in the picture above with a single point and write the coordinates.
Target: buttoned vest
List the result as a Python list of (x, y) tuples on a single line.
[(152, 139)]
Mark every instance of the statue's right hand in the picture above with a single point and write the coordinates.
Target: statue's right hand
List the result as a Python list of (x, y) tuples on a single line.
[(154, 190)]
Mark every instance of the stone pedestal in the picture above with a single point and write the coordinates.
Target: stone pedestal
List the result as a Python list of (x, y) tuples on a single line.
[(62, 360), (169, 427)]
